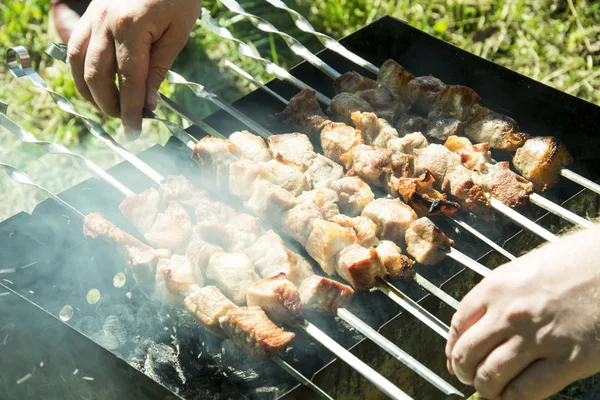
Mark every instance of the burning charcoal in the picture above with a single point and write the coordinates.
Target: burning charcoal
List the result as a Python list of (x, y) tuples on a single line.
[(147, 319), (115, 327), (162, 364), (238, 363)]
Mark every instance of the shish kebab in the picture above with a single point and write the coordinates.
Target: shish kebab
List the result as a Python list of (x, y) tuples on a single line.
[(539, 148), (344, 314)]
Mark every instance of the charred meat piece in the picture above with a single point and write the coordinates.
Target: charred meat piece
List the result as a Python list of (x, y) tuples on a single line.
[(233, 273), (408, 144), (251, 145), (271, 257), (422, 93), (474, 157), (354, 194), (337, 139), (375, 131), (541, 159), (294, 148), (243, 174), (141, 258), (426, 242), (323, 171), (454, 101), (304, 113), (214, 156), (324, 295), (500, 131), (392, 218), (360, 267), (397, 265), (269, 201), (141, 209), (508, 187), (441, 129), (326, 241), (410, 123), (420, 195), (175, 279), (252, 330), (437, 159), (402, 165), (364, 229), (207, 305), (343, 105), (288, 176), (278, 297), (298, 222), (468, 187), (199, 252), (178, 187), (353, 82), (393, 76), (372, 164), (324, 198), (171, 229), (383, 101)]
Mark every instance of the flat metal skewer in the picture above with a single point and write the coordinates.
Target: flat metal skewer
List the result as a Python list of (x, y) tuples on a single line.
[(583, 181), (560, 211)]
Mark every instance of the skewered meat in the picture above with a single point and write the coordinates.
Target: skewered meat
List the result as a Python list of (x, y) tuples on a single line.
[(353, 82), (199, 253), (178, 187), (141, 209), (392, 75), (234, 273), (293, 148), (354, 194), (392, 218), (364, 228), (338, 139), (324, 295), (375, 131), (269, 201), (171, 229), (322, 171), (422, 93), (397, 265), (343, 105), (176, 279), (437, 159), (408, 144), (468, 187), (271, 257), (324, 198), (247, 229), (360, 267), (252, 146), (454, 101), (278, 297), (426, 242), (214, 156), (474, 157), (288, 176), (441, 129), (541, 159), (298, 222), (326, 241), (304, 112), (252, 330), (207, 305), (243, 174), (421, 196), (373, 164), (214, 211), (508, 187), (410, 123), (383, 101), (141, 258), (402, 165), (500, 131)]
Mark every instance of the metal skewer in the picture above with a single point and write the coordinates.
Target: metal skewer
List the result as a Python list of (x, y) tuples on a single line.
[(560, 211), (583, 181)]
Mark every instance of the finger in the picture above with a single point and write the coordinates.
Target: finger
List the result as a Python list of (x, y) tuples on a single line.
[(132, 69), (76, 53), (541, 379), (502, 365), (100, 70), (475, 344)]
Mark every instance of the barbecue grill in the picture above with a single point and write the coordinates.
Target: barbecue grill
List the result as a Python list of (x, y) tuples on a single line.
[(125, 343)]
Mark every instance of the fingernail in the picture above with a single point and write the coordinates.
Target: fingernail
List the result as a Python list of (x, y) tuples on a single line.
[(153, 100), (131, 132)]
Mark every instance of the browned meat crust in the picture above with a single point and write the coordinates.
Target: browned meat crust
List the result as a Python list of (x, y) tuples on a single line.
[(353, 82), (324, 295), (422, 93), (278, 297), (508, 187), (304, 113), (426, 242), (344, 104), (454, 101), (500, 131), (394, 76)]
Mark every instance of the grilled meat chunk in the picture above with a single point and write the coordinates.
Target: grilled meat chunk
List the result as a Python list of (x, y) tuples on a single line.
[(383, 101), (541, 159), (454, 101), (216, 233), (410, 123), (337, 139), (294, 148), (500, 131), (420, 195), (468, 187), (353, 82), (171, 229), (354, 194), (506, 186), (343, 105), (324, 198), (141, 209), (364, 228), (214, 156), (326, 241), (251, 145), (234, 273), (392, 218), (199, 252), (269, 201), (304, 112), (426, 242), (441, 129), (214, 211), (324, 295), (175, 279), (278, 297), (141, 259), (437, 159), (393, 76), (397, 265), (243, 174), (288, 176), (298, 222), (252, 330), (422, 93), (474, 157), (375, 131), (271, 257), (207, 305), (323, 171), (372, 164), (408, 144), (360, 267), (179, 188)]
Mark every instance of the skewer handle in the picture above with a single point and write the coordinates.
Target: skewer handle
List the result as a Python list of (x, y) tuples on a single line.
[(575, 177)]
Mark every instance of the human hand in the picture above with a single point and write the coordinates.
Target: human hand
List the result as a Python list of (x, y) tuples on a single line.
[(532, 326), (136, 40)]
